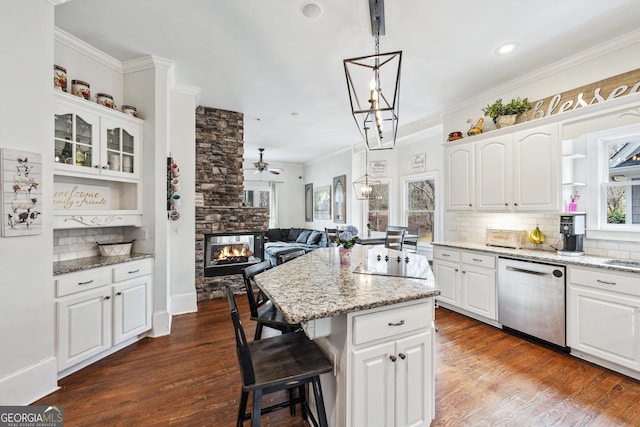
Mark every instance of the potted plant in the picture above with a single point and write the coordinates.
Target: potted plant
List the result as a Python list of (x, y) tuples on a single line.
[(506, 114)]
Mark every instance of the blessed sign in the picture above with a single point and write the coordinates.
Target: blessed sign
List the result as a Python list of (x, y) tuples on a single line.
[(594, 93), (81, 196)]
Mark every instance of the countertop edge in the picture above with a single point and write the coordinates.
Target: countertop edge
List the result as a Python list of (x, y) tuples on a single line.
[(540, 255), (82, 264)]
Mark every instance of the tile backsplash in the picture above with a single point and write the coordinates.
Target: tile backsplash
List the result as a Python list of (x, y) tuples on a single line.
[(81, 242), (471, 226)]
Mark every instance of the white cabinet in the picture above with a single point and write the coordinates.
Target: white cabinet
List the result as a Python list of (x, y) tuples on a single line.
[(603, 318), (519, 172), (97, 165), (459, 166), (392, 359), (467, 282), (101, 308)]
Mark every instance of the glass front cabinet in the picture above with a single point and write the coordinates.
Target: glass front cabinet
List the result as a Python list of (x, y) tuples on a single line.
[(97, 158)]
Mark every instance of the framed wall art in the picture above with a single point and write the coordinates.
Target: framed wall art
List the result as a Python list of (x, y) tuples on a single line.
[(322, 203), (21, 179), (308, 202), (340, 199)]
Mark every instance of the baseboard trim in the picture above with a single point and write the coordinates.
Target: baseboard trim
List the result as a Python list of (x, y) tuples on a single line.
[(184, 303), (29, 384), (161, 324)]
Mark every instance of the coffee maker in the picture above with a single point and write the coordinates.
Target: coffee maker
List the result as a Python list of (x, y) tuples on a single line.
[(572, 226)]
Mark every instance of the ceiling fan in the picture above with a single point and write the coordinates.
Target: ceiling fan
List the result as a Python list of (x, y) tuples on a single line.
[(261, 166)]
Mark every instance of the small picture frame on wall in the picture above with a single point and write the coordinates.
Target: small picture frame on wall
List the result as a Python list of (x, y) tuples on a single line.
[(322, 203), (308, 202), (21, 181), (340, 199)]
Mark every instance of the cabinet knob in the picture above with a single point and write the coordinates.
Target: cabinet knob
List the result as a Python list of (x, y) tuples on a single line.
[(118, 293), (393, 358), (464, 272), (515, 204), (105, 167), (402, 356), (470, 205), (506, 204), (107, 297), (456, 270)]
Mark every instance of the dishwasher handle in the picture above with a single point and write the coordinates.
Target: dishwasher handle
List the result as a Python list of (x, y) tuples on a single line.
[(522, 270)]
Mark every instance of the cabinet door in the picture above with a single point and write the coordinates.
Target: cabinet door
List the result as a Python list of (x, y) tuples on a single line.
[(76, 139), (414, 380), (447, 275), (84, 326), (373, 386), (120, 148), (479, 291), (131, 308), (459, 172), (536, 174), (604, 324), (493, 174)]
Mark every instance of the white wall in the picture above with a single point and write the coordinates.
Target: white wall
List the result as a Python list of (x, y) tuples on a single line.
[(289, 188), (28, 368)]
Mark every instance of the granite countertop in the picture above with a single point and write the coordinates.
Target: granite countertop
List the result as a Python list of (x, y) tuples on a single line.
[(541, 255), (316, 286), (80, 264)]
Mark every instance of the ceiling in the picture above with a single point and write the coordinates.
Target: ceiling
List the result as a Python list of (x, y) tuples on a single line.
[(284, 71)]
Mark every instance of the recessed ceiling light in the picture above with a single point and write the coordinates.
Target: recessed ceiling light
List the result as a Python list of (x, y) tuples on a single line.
[(311, 10), (295, 113), (507, 47)]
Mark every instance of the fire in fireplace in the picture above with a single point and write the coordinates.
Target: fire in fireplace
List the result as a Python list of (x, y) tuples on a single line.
[(229, 253)]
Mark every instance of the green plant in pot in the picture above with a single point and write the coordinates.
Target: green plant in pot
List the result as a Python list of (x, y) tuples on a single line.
[(506, 114)]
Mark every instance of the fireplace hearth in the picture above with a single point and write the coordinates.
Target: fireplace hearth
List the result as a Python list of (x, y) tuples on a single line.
[(230, 253)]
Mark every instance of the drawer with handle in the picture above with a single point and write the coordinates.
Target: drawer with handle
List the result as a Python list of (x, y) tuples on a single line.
[(473, 258), (131, 270), (67, 284), (628, 283), (446, 254), (387, 323)]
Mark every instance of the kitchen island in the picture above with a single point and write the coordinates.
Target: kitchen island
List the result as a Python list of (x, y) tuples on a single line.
[(374, 319)]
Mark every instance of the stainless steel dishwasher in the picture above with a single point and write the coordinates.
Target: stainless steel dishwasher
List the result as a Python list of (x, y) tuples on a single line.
[(531, 299)]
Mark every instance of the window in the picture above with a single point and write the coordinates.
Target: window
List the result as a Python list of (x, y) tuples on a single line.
[(258, 198), (378, 207), (621, 184), (420, 206)]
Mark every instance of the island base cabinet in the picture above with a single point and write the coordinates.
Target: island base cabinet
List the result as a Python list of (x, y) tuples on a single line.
[(84, 326)]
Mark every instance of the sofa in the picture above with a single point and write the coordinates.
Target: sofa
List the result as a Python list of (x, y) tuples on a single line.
[(284, 240)]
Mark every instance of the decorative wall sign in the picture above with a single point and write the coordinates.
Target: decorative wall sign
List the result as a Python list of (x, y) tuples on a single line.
[(418, 163), (308, 202), (378, 168), (594, 93), (340, 199), (322, 203), (72, 196), (21, 179)]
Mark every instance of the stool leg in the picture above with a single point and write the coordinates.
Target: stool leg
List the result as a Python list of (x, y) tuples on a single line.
[(257, 408), (292, 406), (243, 408), (258, 332), (303, 397), (317, 393)]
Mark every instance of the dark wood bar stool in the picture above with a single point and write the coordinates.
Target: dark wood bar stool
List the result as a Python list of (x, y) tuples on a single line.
[(282, 258), (262, 310), (284, 362)]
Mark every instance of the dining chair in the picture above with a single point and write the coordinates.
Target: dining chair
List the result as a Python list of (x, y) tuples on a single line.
[(282, 258), (332, 234), (394, 239), (411, 236), (283, 362), (262, 309)]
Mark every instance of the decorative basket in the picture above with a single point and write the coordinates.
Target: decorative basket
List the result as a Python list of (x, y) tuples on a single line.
[(115, 249)]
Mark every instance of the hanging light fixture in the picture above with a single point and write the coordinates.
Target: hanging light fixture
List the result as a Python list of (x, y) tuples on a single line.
[(364, 187), (366, 80)]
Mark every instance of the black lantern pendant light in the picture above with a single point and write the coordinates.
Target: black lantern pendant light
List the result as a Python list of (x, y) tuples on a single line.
[(375, 80)]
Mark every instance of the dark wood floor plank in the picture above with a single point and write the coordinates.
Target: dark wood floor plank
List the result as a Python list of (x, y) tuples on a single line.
[(484, 377)]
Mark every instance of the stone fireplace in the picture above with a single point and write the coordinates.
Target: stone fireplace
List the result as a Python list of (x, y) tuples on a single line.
[(219, 186)]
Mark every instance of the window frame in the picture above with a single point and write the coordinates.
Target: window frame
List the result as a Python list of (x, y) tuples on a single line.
[(387, 182), (437, 208)]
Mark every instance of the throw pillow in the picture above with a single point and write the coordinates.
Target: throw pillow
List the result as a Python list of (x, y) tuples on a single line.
[(315, 237), (273, 234), (304, 236), (293, 234)]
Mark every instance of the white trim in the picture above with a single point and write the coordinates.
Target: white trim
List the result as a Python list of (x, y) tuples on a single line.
[(146, 63), (86, 49), (437, 214), (161, 324), (30, 384), (184, 303)]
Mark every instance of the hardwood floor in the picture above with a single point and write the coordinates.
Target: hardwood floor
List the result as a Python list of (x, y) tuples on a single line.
[(484, 377)]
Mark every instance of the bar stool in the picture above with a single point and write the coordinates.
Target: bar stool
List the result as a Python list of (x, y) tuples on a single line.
[(262, 310), (283, 362)]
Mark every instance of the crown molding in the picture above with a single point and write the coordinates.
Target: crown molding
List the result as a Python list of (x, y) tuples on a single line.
[(147, 63), (58, 2), (546, 72), (187, 90), (86, 49)]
